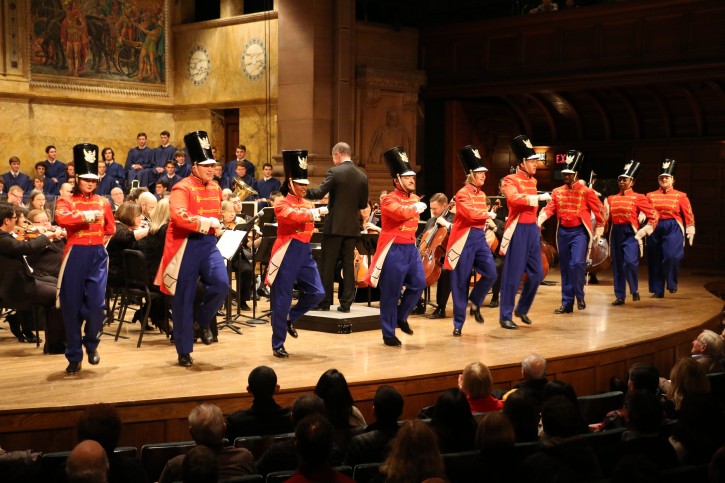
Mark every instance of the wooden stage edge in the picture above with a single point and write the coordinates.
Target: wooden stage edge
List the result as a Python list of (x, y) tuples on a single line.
[(40, 404)]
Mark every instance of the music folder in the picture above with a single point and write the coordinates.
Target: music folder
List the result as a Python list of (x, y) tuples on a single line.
[(229, 242)]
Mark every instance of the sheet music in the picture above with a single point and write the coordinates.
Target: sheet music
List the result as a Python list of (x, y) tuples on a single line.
[(229, 242)]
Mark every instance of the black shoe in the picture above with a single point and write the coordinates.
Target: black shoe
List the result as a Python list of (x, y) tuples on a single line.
[(405, 327), (345, 310), (185, 360), (263, 291), (280, 352), (581, 305), (658, 295), (456, 332), (564, 309), (15, 326), (593, 280), (73, 367), (28, 336), (635, 296), (291, 329), (494, 303), (618, 302), (243, 306), (508, 324), (524, 318), (392, 341), (439, 313), (94, 358), (322, 307), (206, 336), (419, 308), (476, 312), (673, 290)]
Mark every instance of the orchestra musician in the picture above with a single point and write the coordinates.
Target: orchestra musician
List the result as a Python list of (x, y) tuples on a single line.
[(396, 262), (291, 259), (573, 204), (667, 244), (438, 205), (625, 239), (521, 242), (88, 221), (190, 253), (467, 246)]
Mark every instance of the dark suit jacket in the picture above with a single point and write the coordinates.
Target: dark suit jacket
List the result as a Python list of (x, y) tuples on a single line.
[(348, 188), (264, 417), (17, 286)]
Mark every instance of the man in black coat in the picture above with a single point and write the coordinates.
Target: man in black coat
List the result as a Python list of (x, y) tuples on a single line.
[(265, 416), (348, 189)]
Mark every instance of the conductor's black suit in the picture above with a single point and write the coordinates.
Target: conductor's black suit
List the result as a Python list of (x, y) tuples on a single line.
[(348, 189)]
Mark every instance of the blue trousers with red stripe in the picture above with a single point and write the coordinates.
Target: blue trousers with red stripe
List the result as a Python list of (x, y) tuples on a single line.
[(625, 260), (402, 267), (572, 244), (201, 261), (665, 250), (476, 254), (297, 266), (83, 298), (523, 256)]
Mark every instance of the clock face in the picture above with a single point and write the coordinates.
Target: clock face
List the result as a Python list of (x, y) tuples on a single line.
[(254, 59), (199, 65)]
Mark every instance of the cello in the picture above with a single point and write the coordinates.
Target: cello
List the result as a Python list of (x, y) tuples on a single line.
[(432, 248), (361, 261)]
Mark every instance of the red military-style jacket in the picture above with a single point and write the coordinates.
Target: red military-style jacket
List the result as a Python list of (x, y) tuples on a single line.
[(624, 208), (68, 215), (399, 225), (672, 204), (190, 200), (574, 206), (294, 221), (517, 188), (471, 212)]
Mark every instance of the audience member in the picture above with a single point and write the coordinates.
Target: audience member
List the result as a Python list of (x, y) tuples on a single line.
[(200, 466), (339, 405), (265, 416), (642, 377), (686, 377), (497, 459), (453, 422), (414, 456), (374, 444), (87, 463), (524, 416), (707, 350), (533, 371), (546, 6), (101, 423), (207, 427), (314, 438), (700, 430), (476, 383)]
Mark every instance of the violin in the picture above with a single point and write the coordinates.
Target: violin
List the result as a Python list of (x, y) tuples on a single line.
[(27, 232), (432, 248), (361, 261)]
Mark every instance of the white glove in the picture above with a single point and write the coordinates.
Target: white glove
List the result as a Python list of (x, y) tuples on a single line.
[(491, 214), (91, 215), (641, 246), (420, 207), (491, 225), (642, 217), (215, 223), (690, 232), (323, 210), (315, 212), (643, 232), (372, 227), (598, 232), (541, 219), (440, 221), (545, 197)]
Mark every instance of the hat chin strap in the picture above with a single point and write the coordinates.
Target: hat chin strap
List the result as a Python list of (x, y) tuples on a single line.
[(292, 188), (400, 183)]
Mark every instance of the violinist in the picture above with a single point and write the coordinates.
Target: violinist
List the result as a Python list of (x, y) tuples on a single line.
[(438, 206), (573, 204), (397, 262), (370, 219), (467, 246)]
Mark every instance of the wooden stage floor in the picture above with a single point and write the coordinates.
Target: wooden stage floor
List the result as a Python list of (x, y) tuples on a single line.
[(584, 348)]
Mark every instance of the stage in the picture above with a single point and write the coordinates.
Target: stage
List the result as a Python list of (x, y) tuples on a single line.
[(41, 403)]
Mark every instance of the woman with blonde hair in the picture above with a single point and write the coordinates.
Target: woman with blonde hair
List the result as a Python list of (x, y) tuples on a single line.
[(414, 456), (476, 383), (153, 248), (687, 377)]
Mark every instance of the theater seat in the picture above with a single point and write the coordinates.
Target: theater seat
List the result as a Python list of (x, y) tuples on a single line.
[(595, 407), (155, 456)]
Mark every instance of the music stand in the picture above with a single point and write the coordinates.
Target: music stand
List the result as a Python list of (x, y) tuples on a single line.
[(228, 241), (263, 252)]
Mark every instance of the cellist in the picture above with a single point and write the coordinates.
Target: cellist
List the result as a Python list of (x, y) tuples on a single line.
[(467, 246), (441, 218)]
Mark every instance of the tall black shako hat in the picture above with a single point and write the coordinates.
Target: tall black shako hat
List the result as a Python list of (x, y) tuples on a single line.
[(574, 161), (295, 165), (471, 159), (523, 149), (199, 148), (85, 160), (397, 160), (668, 167), (631, 170)]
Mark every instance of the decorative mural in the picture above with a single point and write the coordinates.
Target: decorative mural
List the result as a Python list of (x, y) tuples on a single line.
[(99, 43)]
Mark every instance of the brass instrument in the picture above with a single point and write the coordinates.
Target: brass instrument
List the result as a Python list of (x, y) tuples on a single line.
[(243, 190)]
